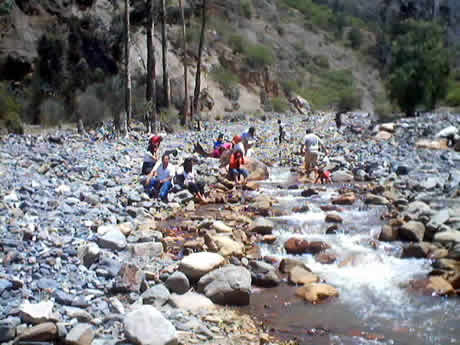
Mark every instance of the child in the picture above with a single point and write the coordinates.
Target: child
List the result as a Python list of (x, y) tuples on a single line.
[(323, 176), (238, 174)]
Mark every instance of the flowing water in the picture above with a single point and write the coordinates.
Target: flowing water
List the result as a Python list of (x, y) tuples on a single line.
[(375, 306)]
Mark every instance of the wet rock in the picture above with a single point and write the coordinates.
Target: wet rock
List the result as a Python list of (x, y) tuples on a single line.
[(375, 199), (80, 334), (8, 328), (89, 254), (418, 250), (178, 283), (129, 279), (299, 275), (221, 227), (43, 332), (191, 301), (342, 176), (301, 246), (388, 234), (37, 312), (383, 135), (78, 313), (345, 199), (196, 265), (112, 239), (263, 274), (325, 258), (412, 231), (146, 326), (226, 246), (287, 264), (270, 239), (316, 292), (261, 226), (447, 236), (438, 219), (309, 192), (227, 285), (157, 295), (333, 218), (434, 285)]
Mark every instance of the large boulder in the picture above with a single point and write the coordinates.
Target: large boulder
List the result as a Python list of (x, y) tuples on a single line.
[(146, 326), (196, 265), (412, 231), (258, 171), (316, 292), (229, 285)]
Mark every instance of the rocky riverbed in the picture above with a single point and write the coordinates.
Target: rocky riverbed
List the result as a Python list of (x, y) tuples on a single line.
[(88, 258)]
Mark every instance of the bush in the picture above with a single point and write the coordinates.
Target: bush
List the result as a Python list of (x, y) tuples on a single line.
[(258, 55), (52, 112), (356, 38), (238, 43), (246, 8), (280, 105), (321, 61), (453, 95), (349, 100), (10, 111), (226, 78), (289, 86)]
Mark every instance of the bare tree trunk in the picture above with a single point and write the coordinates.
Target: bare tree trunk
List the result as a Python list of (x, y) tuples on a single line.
[(196, 95), (185, 109), (127, 119), (164, 45), (151, 108)]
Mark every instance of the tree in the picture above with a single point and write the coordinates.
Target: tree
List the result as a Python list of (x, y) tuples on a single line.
[(125, 123), (164, 46), (419, 68), (184, 47), (151, 120), (196, 95)]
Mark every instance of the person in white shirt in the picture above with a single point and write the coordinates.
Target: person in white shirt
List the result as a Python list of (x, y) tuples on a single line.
[(195, 187), (310, 147), (159, 180)]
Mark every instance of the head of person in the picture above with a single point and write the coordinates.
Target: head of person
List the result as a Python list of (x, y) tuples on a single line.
[(279, 121), (308, 131), (165, 160), (188, 165), (220, 137), (237, 139), (154, 143), (252, 131)]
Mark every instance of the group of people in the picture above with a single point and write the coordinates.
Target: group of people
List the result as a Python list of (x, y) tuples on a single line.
[(159, 174)]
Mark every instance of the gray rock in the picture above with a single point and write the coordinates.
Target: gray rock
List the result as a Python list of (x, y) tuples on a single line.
[(37, 312), (146, 326), (89, 254), (157, 295), (178, 283), (113, 239), (8, 328), (146, 249), (447, 236), (191, 301), (262, 226), (46, 331), (129, 279), (412, 231), (227, 285), (81, 334), (196, 265), (5, 285), (263, 274)]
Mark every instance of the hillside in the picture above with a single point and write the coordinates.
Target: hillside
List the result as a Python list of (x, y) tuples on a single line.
[(257, 54)]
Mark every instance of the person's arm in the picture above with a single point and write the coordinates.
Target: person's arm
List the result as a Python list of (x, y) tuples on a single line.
[(170, 177), (151, 174)]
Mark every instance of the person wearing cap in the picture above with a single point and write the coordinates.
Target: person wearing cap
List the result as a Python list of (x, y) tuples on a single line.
[(158, 181), (152, 155), (236, 172), (310, 147)]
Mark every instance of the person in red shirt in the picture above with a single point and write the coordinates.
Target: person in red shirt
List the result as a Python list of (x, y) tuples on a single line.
[(236, 172)]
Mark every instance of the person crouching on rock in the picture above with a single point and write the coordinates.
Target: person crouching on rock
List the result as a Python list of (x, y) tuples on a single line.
[(194, 187), (220, 146), (152, 155), (323, 176), (236, 172), (159, 180)]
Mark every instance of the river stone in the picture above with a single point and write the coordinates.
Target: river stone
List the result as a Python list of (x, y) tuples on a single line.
[(389, 127), (262, 226), (191, 301), (196, 265), (227, 247), (146, 326), (345, 199), (37, 312), (89, 254), (221, 226), (434, 285), (146, 249), (288, 264), (383, 135), (157, 295), (299, 275), (227, 285), (333, 218), (375, 199), (8, 328), (418, 207), (263, 274), (316, 292), (296, 245), (178, 283), (412, 231), (388, 234), (78, 313), (342, 176), (418, 250), (129, 279), (112, 239), (81, 334), (438, 219), (43, 332), (447, 236)]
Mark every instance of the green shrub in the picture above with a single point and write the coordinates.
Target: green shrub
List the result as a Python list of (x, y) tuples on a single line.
[(355, 37), (289, 86), (258, 55), (453, 94), (238, 43), (349, 100), (10, 111), (280, 104), (321, 61), (246, 8), (226, 79), (5, 7)]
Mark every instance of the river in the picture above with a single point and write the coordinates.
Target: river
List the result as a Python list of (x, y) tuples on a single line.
[(375, 305)]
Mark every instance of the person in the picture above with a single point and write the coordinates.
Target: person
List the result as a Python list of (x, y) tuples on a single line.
[(194, 187), (310, 147), (248, 139), (159, 179), (219, 146), (152, 154), (236, 172), (237, 144), (338, 119), (323, 176), (282, 133)]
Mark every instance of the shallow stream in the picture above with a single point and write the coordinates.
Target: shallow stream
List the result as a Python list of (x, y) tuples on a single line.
[(375, 305)]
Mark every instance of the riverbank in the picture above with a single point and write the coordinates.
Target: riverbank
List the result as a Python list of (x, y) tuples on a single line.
[(85, 246)]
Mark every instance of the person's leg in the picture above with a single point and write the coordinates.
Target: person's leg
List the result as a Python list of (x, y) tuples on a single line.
[(164, 190), (234, 174), (153, 187), (244, 173)]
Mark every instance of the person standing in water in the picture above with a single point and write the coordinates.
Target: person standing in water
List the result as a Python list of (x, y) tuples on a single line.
[(311, 147)]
